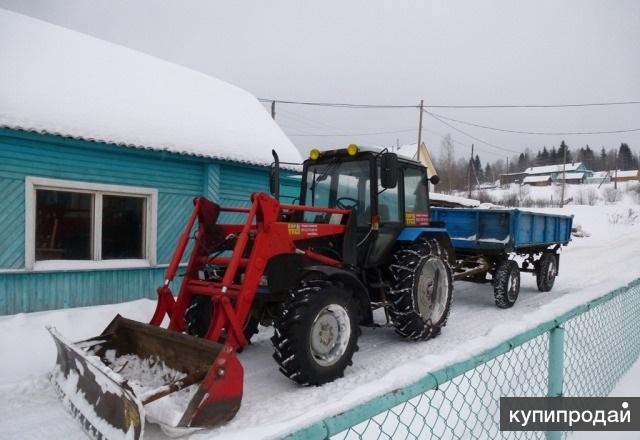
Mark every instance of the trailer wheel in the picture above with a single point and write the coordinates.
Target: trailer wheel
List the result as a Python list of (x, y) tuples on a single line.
[(420, 291), (546, 271), (506, 284), (316, 333), (198, 318)]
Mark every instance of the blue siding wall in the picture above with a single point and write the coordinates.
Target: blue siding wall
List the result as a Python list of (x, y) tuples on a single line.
[(31, 292), (177, 178)]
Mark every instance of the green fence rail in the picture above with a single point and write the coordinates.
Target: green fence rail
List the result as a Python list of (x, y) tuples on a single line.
[(581, 353)]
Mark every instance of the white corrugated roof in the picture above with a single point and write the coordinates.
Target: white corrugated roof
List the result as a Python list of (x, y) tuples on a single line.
[(570, 176), (548, 169), (629, 173), (59, 81), (534, 179)]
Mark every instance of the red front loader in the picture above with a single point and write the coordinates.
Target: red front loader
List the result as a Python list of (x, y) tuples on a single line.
[(115, 408), (314, 271)]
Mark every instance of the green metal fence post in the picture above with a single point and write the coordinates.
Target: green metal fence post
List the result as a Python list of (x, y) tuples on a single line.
[(556, 370)]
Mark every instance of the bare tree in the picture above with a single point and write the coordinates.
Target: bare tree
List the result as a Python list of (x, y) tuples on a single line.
[(447, 162)]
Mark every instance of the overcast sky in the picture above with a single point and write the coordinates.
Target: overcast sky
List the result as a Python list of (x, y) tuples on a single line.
[(397, 52)]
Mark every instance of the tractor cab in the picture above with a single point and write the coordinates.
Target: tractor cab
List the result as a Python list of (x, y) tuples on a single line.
[(385, 193)]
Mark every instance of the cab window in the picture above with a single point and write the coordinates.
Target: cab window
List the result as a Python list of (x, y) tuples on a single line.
[(415, 190), (388, 203)]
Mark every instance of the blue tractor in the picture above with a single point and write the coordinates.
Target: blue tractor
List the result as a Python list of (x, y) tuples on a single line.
[(392, 255)]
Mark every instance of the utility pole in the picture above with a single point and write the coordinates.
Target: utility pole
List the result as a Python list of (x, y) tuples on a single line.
[(469, 173), (420, 128), (615, 177), (564, 176), (507, 166), (273, 109)]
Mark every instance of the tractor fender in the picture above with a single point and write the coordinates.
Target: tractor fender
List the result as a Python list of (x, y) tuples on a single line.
[(412, 234), (350, 280)]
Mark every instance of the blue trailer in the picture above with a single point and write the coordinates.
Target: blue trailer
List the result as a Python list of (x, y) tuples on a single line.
[(503, 243)]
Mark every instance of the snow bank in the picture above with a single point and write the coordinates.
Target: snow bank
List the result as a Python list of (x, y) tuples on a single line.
[(59, 81), (273, 405)]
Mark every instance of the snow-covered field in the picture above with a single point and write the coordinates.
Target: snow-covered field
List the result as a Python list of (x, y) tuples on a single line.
[(272, 404)]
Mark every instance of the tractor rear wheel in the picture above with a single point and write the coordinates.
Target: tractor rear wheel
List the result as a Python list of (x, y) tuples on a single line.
[(199, 313), (316, 332), (506, 284), (420, 292), (546, 271)]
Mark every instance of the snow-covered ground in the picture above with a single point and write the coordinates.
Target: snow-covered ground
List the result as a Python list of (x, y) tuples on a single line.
[(273, 405)]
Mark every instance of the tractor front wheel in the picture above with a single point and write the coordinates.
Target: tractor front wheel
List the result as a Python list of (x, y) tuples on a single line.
[(316, 333), (420, 291)]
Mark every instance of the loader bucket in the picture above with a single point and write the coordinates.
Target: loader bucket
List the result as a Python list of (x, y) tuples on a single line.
[(134, 371)]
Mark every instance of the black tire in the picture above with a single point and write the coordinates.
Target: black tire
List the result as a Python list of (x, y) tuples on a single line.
[(506, 284), (198, 318), (546, 271), (299, 330), (415, 313)]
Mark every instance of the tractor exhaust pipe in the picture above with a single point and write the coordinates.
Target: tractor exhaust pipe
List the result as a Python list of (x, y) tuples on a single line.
[(274, 180)]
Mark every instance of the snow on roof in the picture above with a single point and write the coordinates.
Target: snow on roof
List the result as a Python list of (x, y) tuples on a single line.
[(629, 173), (55, 80), (553, 168), (600, 174), (462, 201), (535, 179), (570, 176)]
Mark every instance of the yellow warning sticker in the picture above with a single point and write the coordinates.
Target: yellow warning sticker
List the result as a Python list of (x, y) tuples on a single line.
[(294, 228)]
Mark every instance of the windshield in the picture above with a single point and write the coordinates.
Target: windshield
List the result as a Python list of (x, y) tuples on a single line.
[(338, 184)]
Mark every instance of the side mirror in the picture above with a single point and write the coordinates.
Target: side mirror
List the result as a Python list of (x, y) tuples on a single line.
[(434, 179), (274, 176), (389, 170)]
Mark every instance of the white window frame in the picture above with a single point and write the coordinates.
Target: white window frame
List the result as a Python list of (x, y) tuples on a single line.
[(98, 190)]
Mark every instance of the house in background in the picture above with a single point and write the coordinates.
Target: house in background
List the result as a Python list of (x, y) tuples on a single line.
[(625, 176), (576, 178), (509, 178), (102, 150), (576, 173), (555, 170), (599, 177), (544, 180)]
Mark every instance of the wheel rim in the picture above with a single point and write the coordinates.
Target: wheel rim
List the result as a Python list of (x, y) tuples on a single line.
[(330, 334), (551, 270), (513, 285), (432, 299)]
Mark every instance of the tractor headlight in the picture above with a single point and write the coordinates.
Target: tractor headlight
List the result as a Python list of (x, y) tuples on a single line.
[(314, 154), (352, 150)]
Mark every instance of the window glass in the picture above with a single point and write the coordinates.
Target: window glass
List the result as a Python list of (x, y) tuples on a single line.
[(122, 227), (63, 225), (388, 208), (339, 184), (415, 191)]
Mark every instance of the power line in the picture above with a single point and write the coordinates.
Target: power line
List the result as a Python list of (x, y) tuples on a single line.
[(539, 133), (468, 135), (484, 106), (352, 134)]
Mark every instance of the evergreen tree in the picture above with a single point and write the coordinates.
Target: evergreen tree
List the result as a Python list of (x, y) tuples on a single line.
[(488, 173), (561, 153), (544, 156), (477, 167), (602, 160), (625, 158)]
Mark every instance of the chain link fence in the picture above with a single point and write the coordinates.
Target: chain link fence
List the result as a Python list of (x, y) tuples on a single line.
[(461, 401)]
